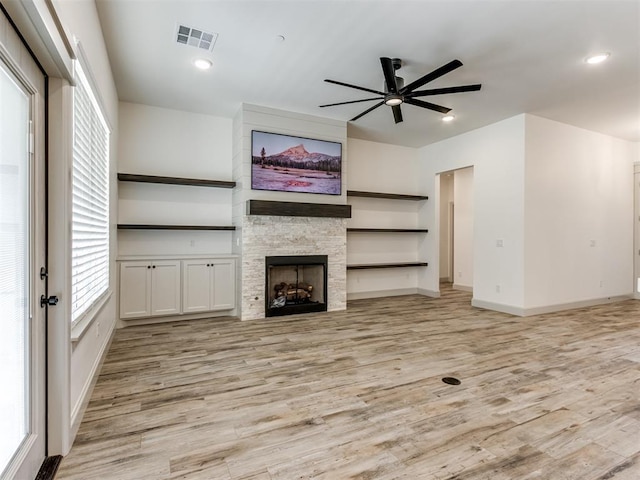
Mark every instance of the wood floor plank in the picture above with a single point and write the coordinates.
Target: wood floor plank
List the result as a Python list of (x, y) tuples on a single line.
[(359, 395)]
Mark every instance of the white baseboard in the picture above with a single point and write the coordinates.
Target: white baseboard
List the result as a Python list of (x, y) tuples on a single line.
[(381, 293), (77, 412), (464, 288), (174, 318), (429, 293), (527, 312), (498, 307)]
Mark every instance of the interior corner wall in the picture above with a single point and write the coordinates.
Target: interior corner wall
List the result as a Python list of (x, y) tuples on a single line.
[(174, 143), (496, 153), (379, 167), (463, 222), (579, 212), (238, 200), (80, 19)]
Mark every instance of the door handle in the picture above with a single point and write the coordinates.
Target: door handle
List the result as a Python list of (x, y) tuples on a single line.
[(51, 301)]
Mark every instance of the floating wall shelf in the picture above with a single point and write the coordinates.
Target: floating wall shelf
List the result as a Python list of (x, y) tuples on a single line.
[(129, 226), (388, 230), (367, 266), (196, 182), (388, 196)]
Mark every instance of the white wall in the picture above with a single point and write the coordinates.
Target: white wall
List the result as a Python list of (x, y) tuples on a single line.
[(559, 201), (579, 214), (497, 154), (163, 142), (80, 20), (463, 228), (379, 167)]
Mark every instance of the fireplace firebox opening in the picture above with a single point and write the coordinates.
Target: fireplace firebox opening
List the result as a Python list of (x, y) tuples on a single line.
[(295, 284)]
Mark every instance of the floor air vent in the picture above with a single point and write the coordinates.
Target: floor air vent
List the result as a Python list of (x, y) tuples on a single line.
[(196, 37), (451, 381)]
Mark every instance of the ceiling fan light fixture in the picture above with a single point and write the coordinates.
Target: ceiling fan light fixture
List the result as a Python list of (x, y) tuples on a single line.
[(597, 58), (393, 100), (449, 118), (202, 63)]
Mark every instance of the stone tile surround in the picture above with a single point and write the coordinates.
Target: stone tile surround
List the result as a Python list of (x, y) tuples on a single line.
[(264, 236)]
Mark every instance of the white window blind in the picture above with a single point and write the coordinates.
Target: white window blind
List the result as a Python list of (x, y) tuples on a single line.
[(90, 205)]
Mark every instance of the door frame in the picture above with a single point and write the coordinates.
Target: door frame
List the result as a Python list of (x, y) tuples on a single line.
[(27, 72), (41, 32)]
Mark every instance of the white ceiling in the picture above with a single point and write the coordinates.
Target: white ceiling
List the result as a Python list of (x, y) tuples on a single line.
[(528, 55)]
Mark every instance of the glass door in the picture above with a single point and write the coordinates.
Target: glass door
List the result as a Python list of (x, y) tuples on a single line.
[(22, 365)]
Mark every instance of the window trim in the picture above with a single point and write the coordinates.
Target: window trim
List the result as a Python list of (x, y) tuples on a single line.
[(81, 324)]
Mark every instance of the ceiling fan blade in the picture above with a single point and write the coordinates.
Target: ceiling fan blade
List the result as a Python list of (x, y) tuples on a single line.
[(366, 111), (354, 86), (352, 101), (429, 77), (443, 91), (397, 113), (430, 106), (389, 74)]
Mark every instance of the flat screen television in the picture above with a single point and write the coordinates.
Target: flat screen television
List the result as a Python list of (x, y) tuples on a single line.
[(285, 163)]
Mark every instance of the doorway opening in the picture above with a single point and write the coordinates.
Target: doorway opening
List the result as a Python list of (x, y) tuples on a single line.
[(456, 228)]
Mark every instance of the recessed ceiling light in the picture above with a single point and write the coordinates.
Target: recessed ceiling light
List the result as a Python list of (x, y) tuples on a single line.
[(597, 58), (203, 63), (448, 118)]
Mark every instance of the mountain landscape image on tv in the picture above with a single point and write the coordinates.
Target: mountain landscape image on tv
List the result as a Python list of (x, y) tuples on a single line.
[(294, 164)]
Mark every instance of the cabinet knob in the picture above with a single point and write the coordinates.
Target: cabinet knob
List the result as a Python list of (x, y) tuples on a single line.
[(148, 266), (153, 266)]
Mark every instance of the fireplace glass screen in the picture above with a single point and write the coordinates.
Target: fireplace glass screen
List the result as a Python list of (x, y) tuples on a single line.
[(296, 284)]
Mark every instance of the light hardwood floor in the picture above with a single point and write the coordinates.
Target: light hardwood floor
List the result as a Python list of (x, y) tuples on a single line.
[(358, 395)]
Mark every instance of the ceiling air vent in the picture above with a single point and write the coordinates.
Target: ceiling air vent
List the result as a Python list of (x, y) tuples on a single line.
[(196, 37)]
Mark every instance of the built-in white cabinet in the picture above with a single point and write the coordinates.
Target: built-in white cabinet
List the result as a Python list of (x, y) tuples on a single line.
[(149, 288), (208, 285), (163, 287)]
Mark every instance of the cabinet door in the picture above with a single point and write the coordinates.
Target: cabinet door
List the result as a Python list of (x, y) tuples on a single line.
[(165, 287), (224, 285), (135, 289), (196, 286)]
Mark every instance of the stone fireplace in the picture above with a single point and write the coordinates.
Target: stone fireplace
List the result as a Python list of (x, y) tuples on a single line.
[(277, 236), (274, 223)]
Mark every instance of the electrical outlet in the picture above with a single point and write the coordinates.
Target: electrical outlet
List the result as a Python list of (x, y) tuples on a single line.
[(459, 274), (497, 288), (499, 243), (192, 243), (592, 243), (97, 329), (601, 283)]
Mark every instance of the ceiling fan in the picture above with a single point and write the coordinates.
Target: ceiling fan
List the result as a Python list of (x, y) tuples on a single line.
[(397, 93)]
